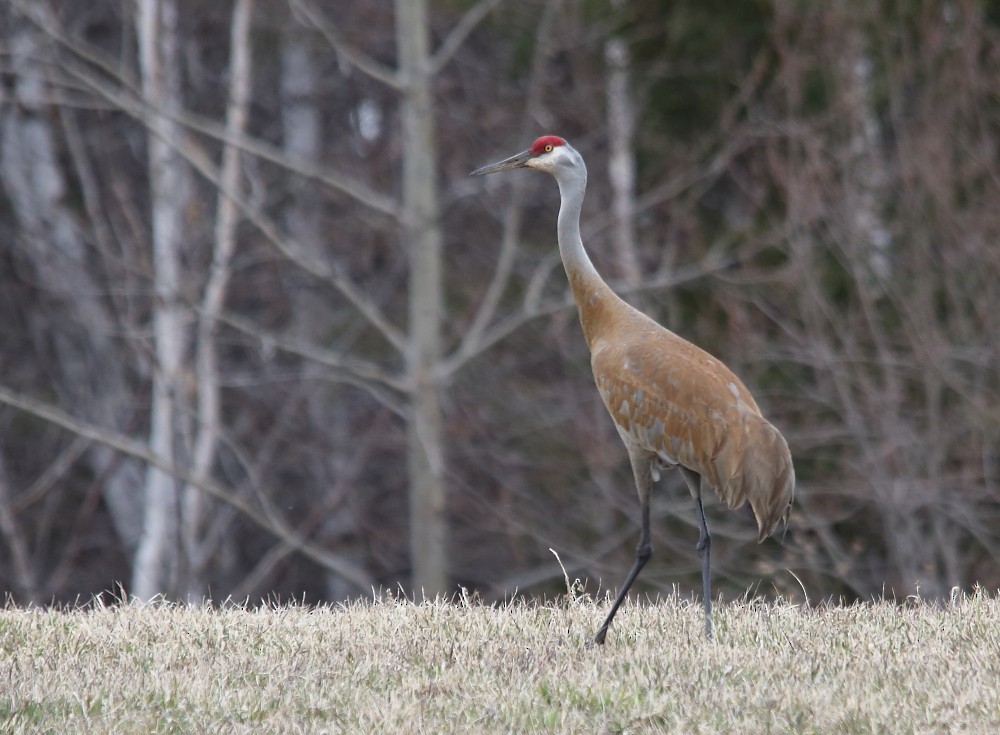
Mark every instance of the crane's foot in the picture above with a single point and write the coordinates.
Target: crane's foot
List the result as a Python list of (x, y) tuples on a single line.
[(601, 635)]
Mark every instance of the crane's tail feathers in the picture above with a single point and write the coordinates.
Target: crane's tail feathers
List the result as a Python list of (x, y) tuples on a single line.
[(772, 481), (757, 467)]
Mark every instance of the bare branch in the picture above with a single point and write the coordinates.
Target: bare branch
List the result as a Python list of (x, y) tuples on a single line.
[(365, 372), (138, 450), (459, 33), (24, 570), (507, 326), (130, 99), (208, 409), (56, 470), (512, 217), (360, 456), (357, 59), (202, 163)]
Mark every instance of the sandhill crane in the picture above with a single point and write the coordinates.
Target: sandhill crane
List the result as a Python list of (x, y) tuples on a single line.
[(674, 405)]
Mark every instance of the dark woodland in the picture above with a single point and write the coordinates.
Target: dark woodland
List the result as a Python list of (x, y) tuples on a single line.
[(263, 338)]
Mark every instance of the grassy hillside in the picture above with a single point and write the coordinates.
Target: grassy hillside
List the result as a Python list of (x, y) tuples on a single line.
[(397, 667)]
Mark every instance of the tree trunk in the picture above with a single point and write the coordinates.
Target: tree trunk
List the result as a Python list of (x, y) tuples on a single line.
[(209, 418), (621, 156), (168, 177), (93, 377), (421, 236), (867, 165), (329, 412)]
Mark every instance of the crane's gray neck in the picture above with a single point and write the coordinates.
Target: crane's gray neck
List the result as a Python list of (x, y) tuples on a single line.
[(574, 257), (592, 295)]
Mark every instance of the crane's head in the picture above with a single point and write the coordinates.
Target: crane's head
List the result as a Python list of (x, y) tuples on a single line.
[(546, 154)]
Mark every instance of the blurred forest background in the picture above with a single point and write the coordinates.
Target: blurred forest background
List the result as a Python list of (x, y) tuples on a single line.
[(261, 336)]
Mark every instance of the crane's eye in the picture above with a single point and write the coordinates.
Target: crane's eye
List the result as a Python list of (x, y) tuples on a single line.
[(548, 147)]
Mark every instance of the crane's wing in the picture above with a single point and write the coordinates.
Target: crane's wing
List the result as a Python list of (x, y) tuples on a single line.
[(677, 402)]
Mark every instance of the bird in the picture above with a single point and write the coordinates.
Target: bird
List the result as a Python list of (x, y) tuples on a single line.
[(674, 405)]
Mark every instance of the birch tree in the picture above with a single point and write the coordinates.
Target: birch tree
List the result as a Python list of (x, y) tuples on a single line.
[(159, 57), (91, 364), (621, 164), (208, 417)]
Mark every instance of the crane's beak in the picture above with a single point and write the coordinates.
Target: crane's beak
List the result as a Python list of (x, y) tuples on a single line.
[(518, 161)]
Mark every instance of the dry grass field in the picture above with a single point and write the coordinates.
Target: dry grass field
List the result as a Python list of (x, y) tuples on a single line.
[(395, 667)]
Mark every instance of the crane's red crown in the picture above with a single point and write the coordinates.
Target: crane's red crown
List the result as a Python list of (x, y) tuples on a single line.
[(545, 144)]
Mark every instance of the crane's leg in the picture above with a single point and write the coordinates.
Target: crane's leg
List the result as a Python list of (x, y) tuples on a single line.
[(704, 551), (643, 550), (641, 468), (704, 546)]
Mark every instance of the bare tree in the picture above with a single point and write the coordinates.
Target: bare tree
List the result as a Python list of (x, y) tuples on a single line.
[(157, 32), (86, 359), (421, 237), (208, 418), (332, 361), (621, 159)]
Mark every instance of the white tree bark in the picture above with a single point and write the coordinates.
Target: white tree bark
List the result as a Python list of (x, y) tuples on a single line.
[(168, 177), (868, 163), (208, 424), (421, 237), (301, 126), (621, 157), (93, 370)]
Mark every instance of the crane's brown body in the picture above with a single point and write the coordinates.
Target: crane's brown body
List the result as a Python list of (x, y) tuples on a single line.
[(674, 405)]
